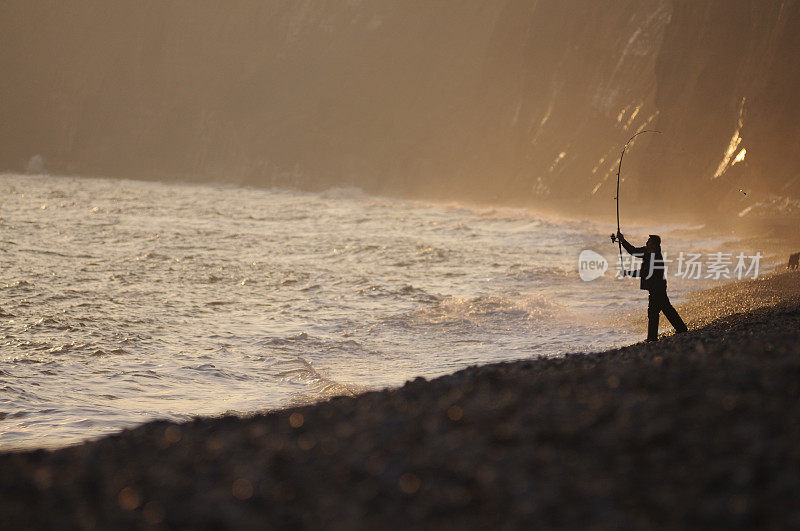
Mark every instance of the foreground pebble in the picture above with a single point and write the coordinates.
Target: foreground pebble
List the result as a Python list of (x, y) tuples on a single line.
[(698, 430)]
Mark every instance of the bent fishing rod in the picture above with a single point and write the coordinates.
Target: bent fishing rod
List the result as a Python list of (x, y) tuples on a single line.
[(619, 172)]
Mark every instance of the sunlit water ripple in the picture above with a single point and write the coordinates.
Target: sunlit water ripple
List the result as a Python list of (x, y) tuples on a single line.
[(123, 301)]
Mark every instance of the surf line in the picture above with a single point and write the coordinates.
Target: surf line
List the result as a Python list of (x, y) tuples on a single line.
[(619, 172)]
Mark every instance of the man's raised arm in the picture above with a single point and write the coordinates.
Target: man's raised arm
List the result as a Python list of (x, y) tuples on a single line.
[(635, 251)]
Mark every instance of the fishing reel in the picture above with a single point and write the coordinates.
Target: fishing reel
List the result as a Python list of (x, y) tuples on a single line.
[(613, 238)]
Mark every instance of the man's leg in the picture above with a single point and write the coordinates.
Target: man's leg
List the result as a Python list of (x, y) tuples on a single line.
[(653, 309), (672, 314)]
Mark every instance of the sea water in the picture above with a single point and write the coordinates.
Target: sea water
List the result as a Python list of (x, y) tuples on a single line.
[(124, 301)]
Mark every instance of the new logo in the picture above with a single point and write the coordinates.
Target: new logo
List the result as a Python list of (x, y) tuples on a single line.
[(591, 265)]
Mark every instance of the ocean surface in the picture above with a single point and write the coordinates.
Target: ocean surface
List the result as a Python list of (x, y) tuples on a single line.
[(124, 301)]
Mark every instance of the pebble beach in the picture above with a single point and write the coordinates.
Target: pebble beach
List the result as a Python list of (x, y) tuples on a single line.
[(696, 430)]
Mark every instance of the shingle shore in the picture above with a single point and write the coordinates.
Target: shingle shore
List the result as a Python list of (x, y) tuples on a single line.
[(697, 430)]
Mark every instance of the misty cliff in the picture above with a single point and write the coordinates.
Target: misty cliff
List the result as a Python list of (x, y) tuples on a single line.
[(511, 100)]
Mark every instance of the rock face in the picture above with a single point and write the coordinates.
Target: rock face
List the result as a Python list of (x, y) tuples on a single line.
[(502, 100), (726, 75)]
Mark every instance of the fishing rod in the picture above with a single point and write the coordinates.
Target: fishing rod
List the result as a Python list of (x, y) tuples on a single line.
[(619, 172)]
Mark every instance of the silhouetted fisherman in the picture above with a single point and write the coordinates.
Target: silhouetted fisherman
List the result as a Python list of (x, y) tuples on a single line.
[(652, 280)]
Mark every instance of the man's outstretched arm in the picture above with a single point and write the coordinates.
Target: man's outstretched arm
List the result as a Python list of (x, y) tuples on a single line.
[(635, 251)]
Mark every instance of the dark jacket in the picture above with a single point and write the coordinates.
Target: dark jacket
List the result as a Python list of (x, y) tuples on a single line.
[(651, 273)]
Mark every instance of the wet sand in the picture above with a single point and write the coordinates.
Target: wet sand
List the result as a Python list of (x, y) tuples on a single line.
[(697, 430)]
